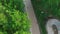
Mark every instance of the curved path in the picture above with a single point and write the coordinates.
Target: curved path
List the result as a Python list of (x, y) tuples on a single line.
[(56, 24)]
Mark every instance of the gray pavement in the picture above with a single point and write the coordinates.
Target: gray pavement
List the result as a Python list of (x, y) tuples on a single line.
[(49, 26), (31, 15)]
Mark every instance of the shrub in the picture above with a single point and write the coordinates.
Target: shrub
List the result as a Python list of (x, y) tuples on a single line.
[(13, 19)]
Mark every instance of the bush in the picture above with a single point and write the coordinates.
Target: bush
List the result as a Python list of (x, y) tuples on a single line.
[(13, 19)]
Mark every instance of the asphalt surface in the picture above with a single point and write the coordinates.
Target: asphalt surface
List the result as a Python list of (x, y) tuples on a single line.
[(31, 15)]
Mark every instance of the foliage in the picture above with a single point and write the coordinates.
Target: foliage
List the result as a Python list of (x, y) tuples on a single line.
[(13, 20)]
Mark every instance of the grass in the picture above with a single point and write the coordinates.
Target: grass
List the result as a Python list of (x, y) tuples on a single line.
[(45, 9)]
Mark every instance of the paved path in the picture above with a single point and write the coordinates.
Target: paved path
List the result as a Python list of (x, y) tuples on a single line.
[(30, 11), (49, 26)]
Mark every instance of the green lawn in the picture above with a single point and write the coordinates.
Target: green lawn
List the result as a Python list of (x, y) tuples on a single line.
[(45, 9)]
